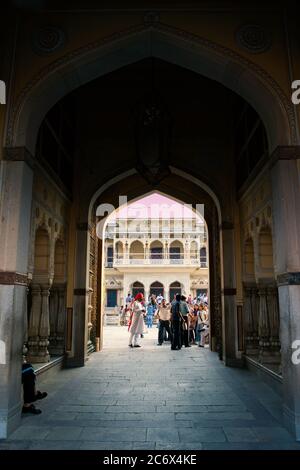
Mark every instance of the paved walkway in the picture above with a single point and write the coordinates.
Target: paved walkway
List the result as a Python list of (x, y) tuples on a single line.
[(154, 398)]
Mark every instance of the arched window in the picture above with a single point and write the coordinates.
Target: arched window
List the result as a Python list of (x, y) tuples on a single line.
[(110, 256), (203, 259), (156, 251), (136, 251), (176, 252), (156, 288), (266, 249), (137, 287), (119, 250), (175, 288)]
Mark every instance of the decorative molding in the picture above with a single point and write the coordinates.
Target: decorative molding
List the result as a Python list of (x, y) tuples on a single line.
[(288, 279), (253, 38), (285, 152), (19, 154), (48, 39), (13, 278), (66, 59)]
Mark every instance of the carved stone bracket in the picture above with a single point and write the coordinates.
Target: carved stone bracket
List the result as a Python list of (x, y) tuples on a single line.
[(288, 279), (19, 154), (13, 278)]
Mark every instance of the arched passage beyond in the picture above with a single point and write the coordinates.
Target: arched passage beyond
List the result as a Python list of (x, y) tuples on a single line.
[(173, 186)]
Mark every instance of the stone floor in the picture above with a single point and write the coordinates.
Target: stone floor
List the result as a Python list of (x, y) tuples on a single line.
[(154, 398)]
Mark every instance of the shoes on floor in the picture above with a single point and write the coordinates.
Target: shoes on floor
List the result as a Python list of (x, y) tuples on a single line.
[(130, 346), (200, 346), (137, 346), (159, 344), (31, 409)]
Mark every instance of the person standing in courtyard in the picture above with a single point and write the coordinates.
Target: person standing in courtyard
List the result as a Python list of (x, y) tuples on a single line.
[(151, 310), (176, 323), (204, 330), (137, 324), (164, 315), (184, 310)]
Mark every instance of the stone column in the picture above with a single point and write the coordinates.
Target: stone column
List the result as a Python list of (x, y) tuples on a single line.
[(61, 320), (53, 312), (255, 316), (229, 296), (186, 252), (16, 178), (34, 322), (273, 308), (166, 251), (57, 319), (78, 356), (146, 250), (250, 321), (286, 230), (126, 253), (263, 325), (44, 327)]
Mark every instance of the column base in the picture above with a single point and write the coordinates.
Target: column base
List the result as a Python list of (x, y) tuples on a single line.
[(234, 362), (292, 422), (10, 420), (56, 347), (38, 359), (252, 351), (269, 358)]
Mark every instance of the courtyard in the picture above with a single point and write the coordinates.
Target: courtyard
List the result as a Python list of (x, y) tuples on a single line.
[(153, 398)]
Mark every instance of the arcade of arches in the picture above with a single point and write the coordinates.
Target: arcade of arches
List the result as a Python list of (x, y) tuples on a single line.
[(74, 138)]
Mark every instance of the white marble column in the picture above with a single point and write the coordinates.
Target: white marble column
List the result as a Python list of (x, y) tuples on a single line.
[(286, 229), (16, 178)]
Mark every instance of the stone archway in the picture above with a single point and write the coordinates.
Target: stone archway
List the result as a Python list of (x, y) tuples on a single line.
[(174, 186), (172, 44)]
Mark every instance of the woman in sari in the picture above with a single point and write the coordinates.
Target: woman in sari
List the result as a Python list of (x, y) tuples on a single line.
[(137, 324)]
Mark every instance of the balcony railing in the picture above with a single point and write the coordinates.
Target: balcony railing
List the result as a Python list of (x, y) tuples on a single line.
[(184, 234), (168, 261)]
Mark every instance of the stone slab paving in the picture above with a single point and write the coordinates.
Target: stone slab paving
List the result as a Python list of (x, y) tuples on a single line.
[(153, 398)]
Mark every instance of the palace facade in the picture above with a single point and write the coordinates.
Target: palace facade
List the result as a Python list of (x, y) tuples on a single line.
[(156, 256)]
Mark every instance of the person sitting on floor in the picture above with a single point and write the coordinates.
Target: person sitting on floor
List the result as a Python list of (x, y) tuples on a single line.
[(29, 390)]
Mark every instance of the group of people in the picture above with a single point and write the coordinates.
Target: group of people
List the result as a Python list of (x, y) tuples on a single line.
[(183, 321)]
